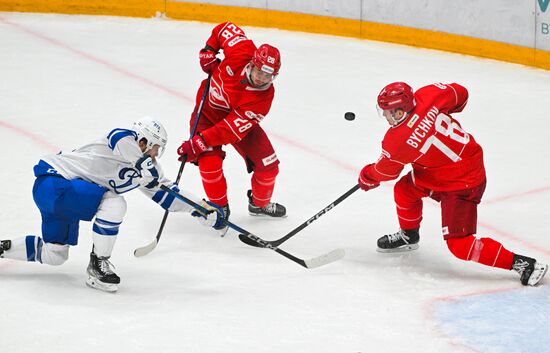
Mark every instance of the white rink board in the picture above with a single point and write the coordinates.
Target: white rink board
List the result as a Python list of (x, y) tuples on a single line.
[(524, 23)]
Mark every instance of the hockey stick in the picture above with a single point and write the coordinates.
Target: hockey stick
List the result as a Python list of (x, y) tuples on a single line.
[(274, 243), (309, 263), (144, 250)]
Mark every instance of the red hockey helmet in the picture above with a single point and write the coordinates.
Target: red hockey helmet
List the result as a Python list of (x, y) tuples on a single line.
[(396, 95), (267, 59)]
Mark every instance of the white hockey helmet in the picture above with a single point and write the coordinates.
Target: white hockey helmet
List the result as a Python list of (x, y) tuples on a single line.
[(153, 131)]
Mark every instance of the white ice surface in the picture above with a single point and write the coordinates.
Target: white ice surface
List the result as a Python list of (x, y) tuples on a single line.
[(65, 80)]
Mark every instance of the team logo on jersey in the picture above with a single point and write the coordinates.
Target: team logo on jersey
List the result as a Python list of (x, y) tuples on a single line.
[(127, 176), (217, 98), (252, 115), (413, 120), (445, 230), (229, 71)]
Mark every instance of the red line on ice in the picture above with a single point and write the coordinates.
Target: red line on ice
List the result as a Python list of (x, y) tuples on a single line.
[(97, 60), (33, 137)]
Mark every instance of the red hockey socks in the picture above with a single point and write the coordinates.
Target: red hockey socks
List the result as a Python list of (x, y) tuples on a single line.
[(408, 201), (213, 180), (409, 216), (486, 251), (263, 184)]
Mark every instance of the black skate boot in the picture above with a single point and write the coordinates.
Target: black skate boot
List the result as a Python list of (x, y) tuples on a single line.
[(4, 245), (272, 209), (100, 275), (530, 271), (401, 241)]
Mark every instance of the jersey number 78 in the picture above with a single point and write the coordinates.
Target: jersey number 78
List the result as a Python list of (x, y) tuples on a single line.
[(448, 128)]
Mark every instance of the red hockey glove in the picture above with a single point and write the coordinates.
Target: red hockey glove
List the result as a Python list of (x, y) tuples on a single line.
[(366, 183), (209, 61), (192, 149)]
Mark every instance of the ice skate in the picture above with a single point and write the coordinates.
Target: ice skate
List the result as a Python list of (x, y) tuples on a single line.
[(530, 271), (401, 241), (272, 209), (100, 275), (4, 245)]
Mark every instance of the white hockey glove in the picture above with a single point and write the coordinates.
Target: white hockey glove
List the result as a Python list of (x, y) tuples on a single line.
[(149, 175), (215, 217)]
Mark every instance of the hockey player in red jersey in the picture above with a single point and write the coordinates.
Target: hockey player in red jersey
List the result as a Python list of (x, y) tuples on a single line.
[(447, 166), (240, 96)]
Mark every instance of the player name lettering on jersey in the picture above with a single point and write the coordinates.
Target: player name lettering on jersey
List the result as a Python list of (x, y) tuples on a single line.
[(236, 40), (421, 130)]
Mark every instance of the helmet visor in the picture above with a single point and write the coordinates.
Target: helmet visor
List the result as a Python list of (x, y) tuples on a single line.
[(161, 151)]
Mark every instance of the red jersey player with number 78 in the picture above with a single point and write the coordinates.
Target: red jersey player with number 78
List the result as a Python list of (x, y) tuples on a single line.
[(240, 96), (447, 166)]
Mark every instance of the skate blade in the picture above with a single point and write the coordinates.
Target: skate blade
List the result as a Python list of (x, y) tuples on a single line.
[(265, 215), (97, 284), (538, 274), (404, 248)]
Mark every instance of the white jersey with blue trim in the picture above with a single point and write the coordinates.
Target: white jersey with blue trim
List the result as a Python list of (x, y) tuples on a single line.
[(110, 162)]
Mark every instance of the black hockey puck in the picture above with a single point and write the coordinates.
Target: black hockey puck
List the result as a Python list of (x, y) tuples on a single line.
[(349, 116)]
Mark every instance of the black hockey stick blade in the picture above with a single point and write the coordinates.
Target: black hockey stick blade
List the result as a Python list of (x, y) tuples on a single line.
[(314, 262), (293, 232), (309, 263)]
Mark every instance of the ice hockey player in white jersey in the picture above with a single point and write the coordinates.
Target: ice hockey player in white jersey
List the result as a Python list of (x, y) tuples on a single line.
[(87, 184)]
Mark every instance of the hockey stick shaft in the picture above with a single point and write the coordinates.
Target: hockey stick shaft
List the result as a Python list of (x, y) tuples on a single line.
[(246, 239), (184, 158), (312, 263), (148, 248)]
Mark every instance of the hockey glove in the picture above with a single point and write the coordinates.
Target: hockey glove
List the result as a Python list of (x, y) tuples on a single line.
[(366, 183), (215, 218), (208, 60), (149, 175), (192, 149)]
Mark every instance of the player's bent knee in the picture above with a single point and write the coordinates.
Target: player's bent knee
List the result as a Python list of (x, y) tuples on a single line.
[(462, 247), (54, 254), (112, 208), (266, 173)]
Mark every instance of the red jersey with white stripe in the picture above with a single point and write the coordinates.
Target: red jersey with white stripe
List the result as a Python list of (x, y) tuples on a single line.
[(443, 156), (233, 107)]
